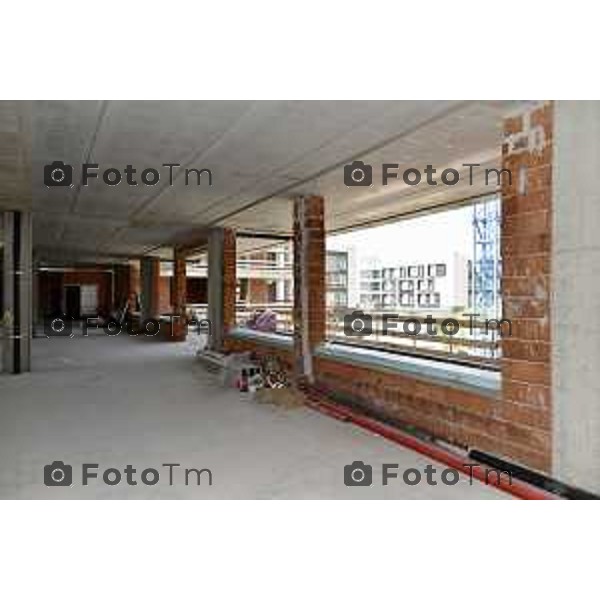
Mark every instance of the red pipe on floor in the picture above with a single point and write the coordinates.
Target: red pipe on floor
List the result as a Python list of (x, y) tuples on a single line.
[(517, 488)]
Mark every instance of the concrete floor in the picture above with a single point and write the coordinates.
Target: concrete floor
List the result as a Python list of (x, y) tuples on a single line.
[(120, 401)]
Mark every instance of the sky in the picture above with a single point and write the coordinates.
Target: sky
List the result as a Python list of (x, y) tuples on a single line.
[(427, 238)]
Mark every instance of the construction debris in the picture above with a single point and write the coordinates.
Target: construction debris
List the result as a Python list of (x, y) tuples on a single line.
[(284, 397)]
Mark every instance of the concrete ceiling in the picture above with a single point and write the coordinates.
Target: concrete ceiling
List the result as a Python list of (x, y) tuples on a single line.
[(261, 154)]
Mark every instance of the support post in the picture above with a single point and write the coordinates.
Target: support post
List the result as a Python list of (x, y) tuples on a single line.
[(526, 227), (179, 297), (17, 292), (222, 285), (150, 275), (575, 261), (309, 283)]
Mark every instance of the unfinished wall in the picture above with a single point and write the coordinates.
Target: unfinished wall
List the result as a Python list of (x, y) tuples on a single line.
[(197, 290), (150, 287), (517, 423), (576, 295), (465, 418), (15, 155), (229, 289), (309, 281), (165, 293), (17, 305), (122, 283), (51, 289), (526, 279), (258, 291), (222, 284), (101, 279)]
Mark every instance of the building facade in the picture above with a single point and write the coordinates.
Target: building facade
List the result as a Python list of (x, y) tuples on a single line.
[(414, 286)]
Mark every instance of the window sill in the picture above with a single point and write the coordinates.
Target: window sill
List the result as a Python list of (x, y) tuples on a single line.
[(464, 378), (279, 340)]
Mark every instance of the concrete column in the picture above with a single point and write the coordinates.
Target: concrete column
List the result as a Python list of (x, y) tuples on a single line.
[(222, 284), (179, 297), (280, 287), (150, 284), (121, 285), (309, 282), (37, 319), (576, 295), (134, 282), (17, 291)]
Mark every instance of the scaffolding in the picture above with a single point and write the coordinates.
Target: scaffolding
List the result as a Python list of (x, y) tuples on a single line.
[(487, 264)]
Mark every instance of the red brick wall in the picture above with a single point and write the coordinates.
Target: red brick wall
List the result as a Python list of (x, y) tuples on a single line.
[(309, 277), (51, 288), (517, 424), (261, 350), (127, 283), (135, 283), (50, 293), (460, 417), (102, 279), (258, 291), (122, 280), (179, 296), (229, 279), (164, 303), (526, 281), (197, 290)]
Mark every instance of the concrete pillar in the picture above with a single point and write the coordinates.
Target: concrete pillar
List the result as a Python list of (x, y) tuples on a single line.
[(576, 294), (150, 284), (37, 318), (280, 290), (121, 285), (135, 287), (17, 292), (222, 284), (179, 297), (309, 282)]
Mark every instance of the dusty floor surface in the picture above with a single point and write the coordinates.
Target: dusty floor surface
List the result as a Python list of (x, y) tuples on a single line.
[(129, 401)]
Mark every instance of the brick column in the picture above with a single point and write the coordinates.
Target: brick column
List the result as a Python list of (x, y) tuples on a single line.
[(150, 284), (222, 285), (229, 279), (309, 282), (179, 297), (525, 409)]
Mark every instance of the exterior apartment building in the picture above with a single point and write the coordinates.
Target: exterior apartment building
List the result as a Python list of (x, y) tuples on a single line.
[(337, 278), (266, 277), (414, 286)]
